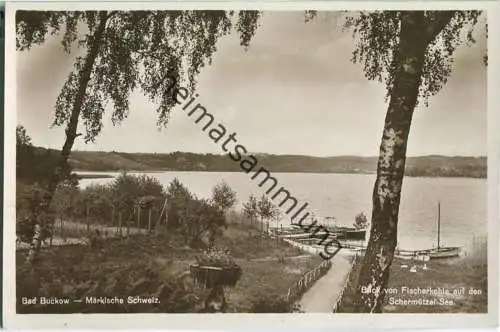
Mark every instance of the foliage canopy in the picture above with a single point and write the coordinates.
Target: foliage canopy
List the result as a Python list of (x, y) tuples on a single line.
[(136, 50)]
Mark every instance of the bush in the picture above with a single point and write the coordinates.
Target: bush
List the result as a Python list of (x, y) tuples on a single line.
[(30, 211), (223, 196), (175, 293), (216, 257), (178, 196), (361, 221), (99, 202), (94, 200), (270, 305), (201, 219), (196, 218), (127, 190)]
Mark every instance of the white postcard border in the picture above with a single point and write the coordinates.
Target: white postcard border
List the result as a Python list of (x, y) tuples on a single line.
[(252, 321)]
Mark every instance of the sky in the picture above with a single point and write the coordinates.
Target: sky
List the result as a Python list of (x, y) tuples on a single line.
[(294, 91)]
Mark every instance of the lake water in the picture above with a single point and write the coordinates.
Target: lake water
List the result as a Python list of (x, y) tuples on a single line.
[(463, 201)]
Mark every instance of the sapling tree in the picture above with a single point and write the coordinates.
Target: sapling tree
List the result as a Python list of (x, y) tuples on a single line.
[(65, 198), (223, 196), (123, 51), (250, 209), (267, 210), (178, 197), (199, 218), (22, 138)]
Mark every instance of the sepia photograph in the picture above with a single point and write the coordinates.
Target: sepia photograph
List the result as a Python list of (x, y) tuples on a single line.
[(197, 161)]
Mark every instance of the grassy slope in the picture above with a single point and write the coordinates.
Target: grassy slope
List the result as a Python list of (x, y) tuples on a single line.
[(263, 278), (123, 262)]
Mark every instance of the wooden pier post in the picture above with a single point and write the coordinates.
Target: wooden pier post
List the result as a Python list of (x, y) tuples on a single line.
[(62, 226), (138, 217), (87, 219), (120, 223), (166, 213), (113, 216), (149, 220)]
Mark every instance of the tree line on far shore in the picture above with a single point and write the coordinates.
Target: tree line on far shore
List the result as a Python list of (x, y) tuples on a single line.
[(424, 166)]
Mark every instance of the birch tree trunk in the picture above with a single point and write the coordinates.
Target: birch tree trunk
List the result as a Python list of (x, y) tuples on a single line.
[(71, 131), (409, 59)]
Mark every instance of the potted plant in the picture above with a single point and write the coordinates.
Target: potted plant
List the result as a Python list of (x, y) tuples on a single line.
[(215, 269)]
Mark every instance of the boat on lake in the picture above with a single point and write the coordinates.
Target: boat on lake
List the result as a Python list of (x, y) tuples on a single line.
[(329, 231), (350, 239), (439, 251), (433, 253), (350, 233)]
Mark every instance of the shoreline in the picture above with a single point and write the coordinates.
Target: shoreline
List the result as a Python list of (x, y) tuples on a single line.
[(104, 175)]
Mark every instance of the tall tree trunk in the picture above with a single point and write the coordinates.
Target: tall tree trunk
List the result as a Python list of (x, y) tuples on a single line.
[(374, 274), (71, 133)]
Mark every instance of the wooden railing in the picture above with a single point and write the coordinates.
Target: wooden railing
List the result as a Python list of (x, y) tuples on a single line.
[(338, 303), (308, 279)]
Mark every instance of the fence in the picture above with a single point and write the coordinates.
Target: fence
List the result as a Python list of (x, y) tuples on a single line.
[(134, 219), (308, 279), (68, 230), (338, 303)]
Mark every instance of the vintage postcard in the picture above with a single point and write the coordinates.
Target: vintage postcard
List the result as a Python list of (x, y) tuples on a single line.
[(276, 165)]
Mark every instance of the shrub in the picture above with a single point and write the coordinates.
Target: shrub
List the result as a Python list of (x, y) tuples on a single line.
[(178, 196), (196, 218), (215, 257), (96, 200), (361, 221), (267, 210), (175, 293), (223, 196), (270, 305), (127, 190), (250, 209), (30, 211), (99, 202)]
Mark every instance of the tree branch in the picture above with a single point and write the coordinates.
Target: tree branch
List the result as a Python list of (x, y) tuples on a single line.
[(436, 21)]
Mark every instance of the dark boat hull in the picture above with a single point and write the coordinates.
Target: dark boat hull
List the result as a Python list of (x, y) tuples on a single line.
[(355, 235), (445, 252)]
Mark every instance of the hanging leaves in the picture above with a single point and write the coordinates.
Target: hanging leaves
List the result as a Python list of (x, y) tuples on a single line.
[(377, 36), (144, 50)]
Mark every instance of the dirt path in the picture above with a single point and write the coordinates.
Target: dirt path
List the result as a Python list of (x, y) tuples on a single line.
[(324, 293)]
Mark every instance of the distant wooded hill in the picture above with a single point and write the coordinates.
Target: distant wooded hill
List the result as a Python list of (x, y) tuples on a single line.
[(425, 166)]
